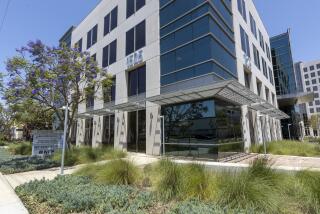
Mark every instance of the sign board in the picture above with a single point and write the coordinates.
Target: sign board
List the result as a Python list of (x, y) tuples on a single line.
[(46, 142), (135, 59)]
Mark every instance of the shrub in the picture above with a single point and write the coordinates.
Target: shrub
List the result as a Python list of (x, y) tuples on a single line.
[(23, 148), (82, 155), (296, 148), (197, 207), (255, 188), (26, 164), (116, 172), (167, 177), (70, 158), (74, 194), (195, 181)]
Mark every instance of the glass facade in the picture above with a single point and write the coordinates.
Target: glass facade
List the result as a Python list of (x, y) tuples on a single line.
[(206, 129), (285, 83), (283, 64), (197, 38)]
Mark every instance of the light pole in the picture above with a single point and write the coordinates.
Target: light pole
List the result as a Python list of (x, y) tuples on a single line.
[(289, 130), (66, 108)]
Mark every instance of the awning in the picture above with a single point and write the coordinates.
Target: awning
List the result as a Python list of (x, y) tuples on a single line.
[(134, 103), (229, 90), (108, 109), (295, 98)]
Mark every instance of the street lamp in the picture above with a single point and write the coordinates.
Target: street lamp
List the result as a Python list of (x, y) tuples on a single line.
[(65, 108), (289, 130)]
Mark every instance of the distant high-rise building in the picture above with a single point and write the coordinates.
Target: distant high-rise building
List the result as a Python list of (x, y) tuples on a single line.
[(288, 86)]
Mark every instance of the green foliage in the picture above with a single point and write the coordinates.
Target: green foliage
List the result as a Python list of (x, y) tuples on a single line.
[(288, 147), (23, 148), (311, 181), (197, 207), (74, 194), (168, 179), (82, 155), (26, 164), (115, 172), (255, 188)]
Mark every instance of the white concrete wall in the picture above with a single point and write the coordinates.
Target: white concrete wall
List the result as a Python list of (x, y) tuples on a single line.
[(261, 134), (151, 56)]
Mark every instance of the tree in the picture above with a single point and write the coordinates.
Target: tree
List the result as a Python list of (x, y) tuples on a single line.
[(314, 121), (53, 77), (6, 122)]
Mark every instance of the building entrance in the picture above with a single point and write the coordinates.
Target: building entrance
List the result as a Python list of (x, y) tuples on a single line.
[(137, 131)]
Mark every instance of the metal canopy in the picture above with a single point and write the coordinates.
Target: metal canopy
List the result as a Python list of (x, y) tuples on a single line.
[(106, 110), (295, 98), (230, 90), (134, 103)]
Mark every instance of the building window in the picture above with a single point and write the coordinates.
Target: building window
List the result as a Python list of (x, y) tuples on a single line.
[(253, 26), (264, 67), (305, 69), (109, 92), (310, 103), (268, 52), (311, 68), (133, 6), (316, 95), (307, 83), (94, 57), (315, 88), (247, 79), (90, 97), (242, 9), (111, 21), (256, 57), (318, 73), (259, 87), (317, 102), (318, 109), (92, 36), (267, 95), (314, 81), (109, 55), (306, 76), (245, 42), (273, 99), (313, 74), (318, 66), (308, 89), (78, 45), (137, 81), (136, 38), (261, 40), (311, 110), (271, 77)]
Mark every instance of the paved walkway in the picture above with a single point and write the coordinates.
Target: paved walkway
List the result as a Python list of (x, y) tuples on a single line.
[(9, 201)]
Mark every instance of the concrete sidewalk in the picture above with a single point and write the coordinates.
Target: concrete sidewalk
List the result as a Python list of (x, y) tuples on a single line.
[(9, 201)]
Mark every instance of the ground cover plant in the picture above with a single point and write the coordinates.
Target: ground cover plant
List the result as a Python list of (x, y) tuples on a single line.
[(287, 147), (10, 164), (20, 148), (24, 164), (167, 187)]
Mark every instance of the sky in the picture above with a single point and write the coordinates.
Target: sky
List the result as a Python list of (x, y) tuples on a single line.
[(47, 20)]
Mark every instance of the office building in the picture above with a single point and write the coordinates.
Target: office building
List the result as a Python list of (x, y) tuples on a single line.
[(289, 89), (200, 69)]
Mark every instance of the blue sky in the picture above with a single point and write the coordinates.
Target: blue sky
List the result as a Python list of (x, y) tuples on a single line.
[(48, 19)]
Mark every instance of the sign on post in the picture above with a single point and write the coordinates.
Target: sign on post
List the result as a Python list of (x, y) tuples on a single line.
[(46, 142)]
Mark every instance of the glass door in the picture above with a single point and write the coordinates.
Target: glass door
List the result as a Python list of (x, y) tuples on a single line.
[(137, 131)]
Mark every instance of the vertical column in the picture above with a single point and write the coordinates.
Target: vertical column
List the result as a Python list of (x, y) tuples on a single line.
[(97, 131), (153, 129), (267, 128), (245, 128), (258, 129), (80, 132), (121, 130)]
